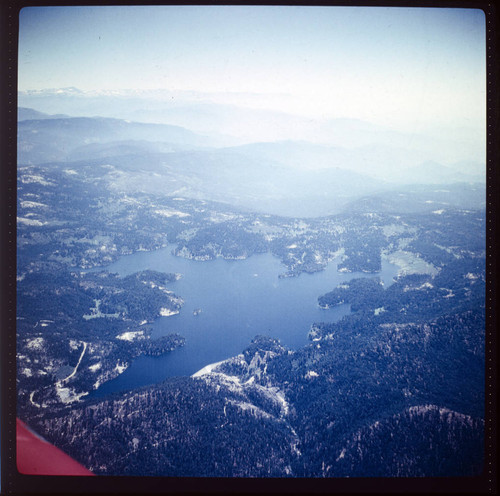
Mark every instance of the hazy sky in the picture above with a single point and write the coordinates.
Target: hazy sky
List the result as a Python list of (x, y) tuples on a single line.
[(385, 65)]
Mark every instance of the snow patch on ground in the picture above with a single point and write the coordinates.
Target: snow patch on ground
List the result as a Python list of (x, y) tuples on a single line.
[(33, 178), (68, 395), (32, 204), (410, 263), (231, 382), (471, 276), (35, 344), (207, 369), (280, 396), (450, 293), (254, 410), (130, 335), (120, 368), (165, 312), (218, 217), (171, 213), (426, 285), (30, 222), (95, 312), (393, 229)]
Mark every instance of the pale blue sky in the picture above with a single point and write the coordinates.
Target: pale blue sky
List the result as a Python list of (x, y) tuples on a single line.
[(386, 65)]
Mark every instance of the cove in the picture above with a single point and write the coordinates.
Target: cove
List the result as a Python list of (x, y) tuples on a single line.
[(238, 299)]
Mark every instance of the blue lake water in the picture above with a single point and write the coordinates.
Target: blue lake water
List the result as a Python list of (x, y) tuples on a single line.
[(239, 299)]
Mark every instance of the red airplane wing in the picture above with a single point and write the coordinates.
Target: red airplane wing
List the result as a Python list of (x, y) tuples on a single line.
[(35, 456)]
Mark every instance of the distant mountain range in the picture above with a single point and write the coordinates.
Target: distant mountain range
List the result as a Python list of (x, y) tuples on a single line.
[(389, 164), (286, 177), (436, 173), (241, 118), (421, 198), (27, 114), (53, 138)]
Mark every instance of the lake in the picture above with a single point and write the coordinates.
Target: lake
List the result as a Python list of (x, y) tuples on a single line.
[(238, 299)]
